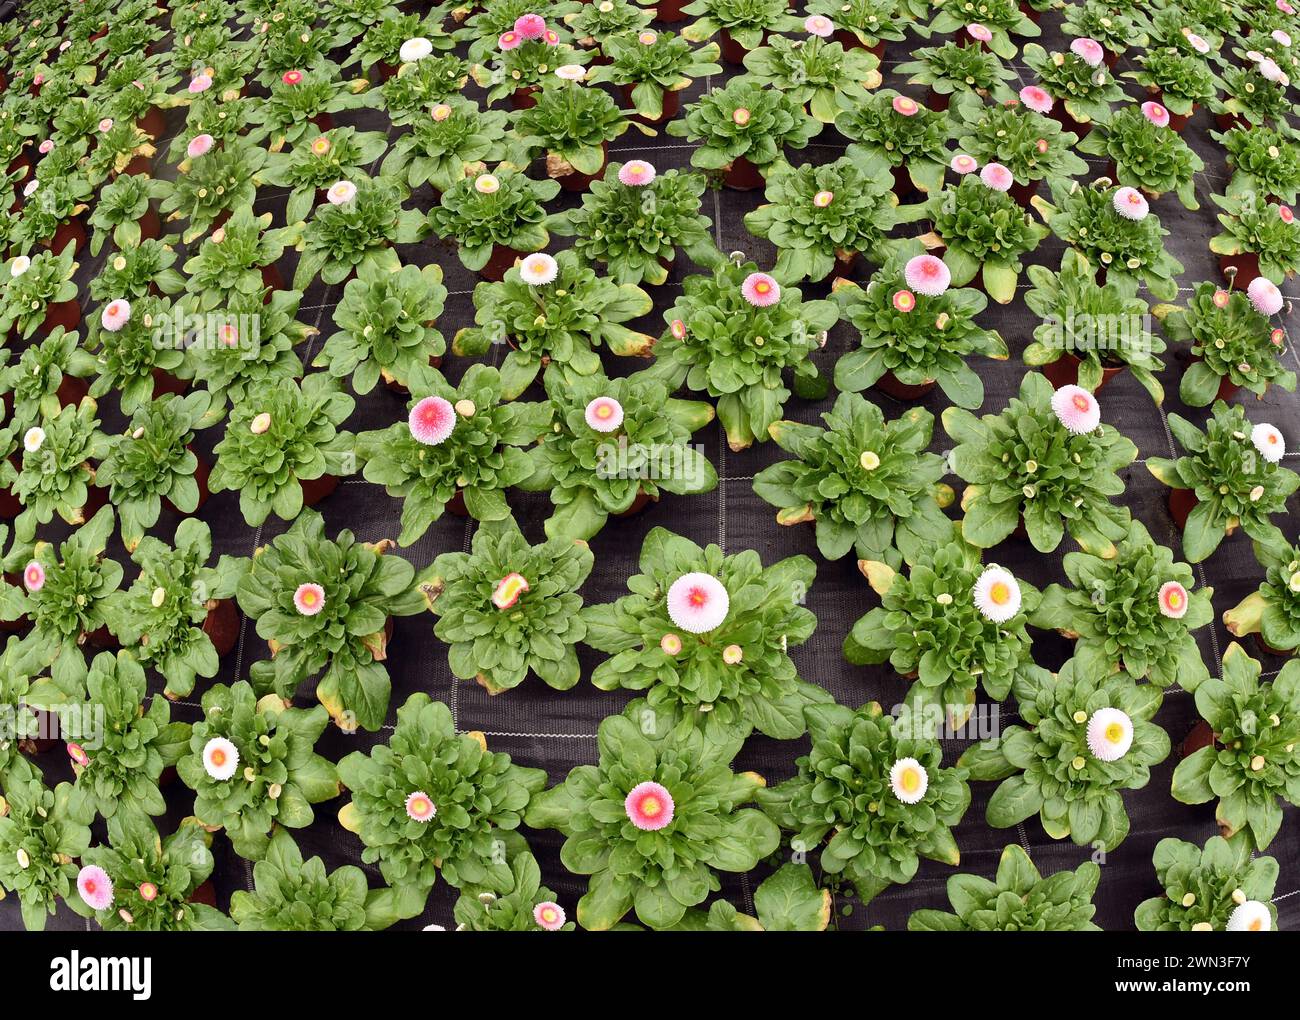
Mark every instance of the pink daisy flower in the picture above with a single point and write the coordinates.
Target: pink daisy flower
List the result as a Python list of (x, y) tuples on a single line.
[(309, 598), (116, 314), (904, 300), (670, 645), (1076, 409), (1042, 146), (1271, 70), (95, 886), (45, 147), (78, 754), (432, 420), (1155, 113), (200, 83), (1173, 600), (963, 164), (904, 106), (823, 198), (1221, 298), (148, 892), (341, 193), (539, 269), (34, 576), (997, 177), (820, 26), (530, 26), (1286, 213), (733, 654), (1036, 98), (38, 79), (698, 602), (648, 38), (1284, 7), (200, 145), (740, 116), (509, 40), (1277, 337), (1265, 296), (678, 329), (1089, 51), (927, 275), (649, 806), (636, 173), (604, 414), (551, 38), (979, 32), (420, 807), (509, 590), (549, 916), (106, 124), (440, 112), (760, 290), (1130, 203), (291, 77)]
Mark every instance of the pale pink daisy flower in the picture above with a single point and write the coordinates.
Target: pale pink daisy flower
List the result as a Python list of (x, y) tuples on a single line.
[(740, 116), (551, 38), (260, 424), (220, 758), (33, 439), (1089, 51), (997, 177), (530, 26), (432, 420), (927, 275), (29, 189), (309, 598), (509, 40), (148, 892), (1221, 298), (45, 147), (996, 594), (1109, 734), (698, 602), (1277, 337), (538, 269), (549, 916), (1265, 296), (963, 164), (78, 754), (1173, 600), (979, 32), (420, 807), (670, 645), (604, 414), (1036, 98), (760, 290), (678, 329), (115, 315), (1076, 409), (636, 173), (1284, 7), (1270, 69), (106, 124), (1268, 441), (1197, 43), (95, 886), (200, 83), (341, 193), (819, 25), (823, 198), (1251, 915), (648, 38), (571, 72), (904, 301), (509, 590), (440, 112), (733, 654), (1130, 203), (320, 146), (34, 576), (291, 77), (38, 79), (649, 806), (19, 265), (200, 145), (904, 106), (1155, 113), (908, 780), (487, 184)]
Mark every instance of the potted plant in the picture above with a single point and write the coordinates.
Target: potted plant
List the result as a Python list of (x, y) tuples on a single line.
[(380, 44), (1178, 81), (1145, 155), (1250, 762), (283, 448), (1114, 229), (302, 103), (888, 127), (912, 338), (743, 130), (386, 328), (125, 212), (1258, 239), (742, 25), (213, 181), (309, 167), (119, 757), (179, 614), (139, 882), (408, 95), (252, 765), (554, 311), (655, 819), (818, 72), (1016, 464), (70, 594), (222, 117), (1082, 91), (1088, 735), (597, 26), (708, 636), (867, 484), (526, 905), (787, 900), (134, 353), (459, 448), (152, 463), (882, 801), (58, 469), (290, 894), (980, 231), (137, 270), (731, 334), (41, 832), (1221, 886), (507, 608), (239, 257), (990, 23), (1112, 27), (25, 685), (440, 149), (434, 801), (359, 224), (47, 376), (652, 69), (1262, 160), (121, 148), (1273, 610), (1232, 346), (636, 218), (821, 218), (1090, 332), (324, 606), (54, 215), (1229, 476), (1018, 899), (951, 69), (39, 293), (1251, 98), (868, 23), (493, 218)]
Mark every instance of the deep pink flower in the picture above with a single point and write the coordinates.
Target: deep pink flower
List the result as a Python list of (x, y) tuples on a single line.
[(95, 886), (927, 275), (530, 26), (432, 420), (1036, 98), (760, 290), (649, 806)]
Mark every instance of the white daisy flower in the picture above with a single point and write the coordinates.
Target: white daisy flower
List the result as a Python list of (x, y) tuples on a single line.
[(909, 780), (996, 594), (1110, 734)]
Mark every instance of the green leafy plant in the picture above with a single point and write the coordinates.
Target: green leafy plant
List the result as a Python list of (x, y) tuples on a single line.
[(433, 801), (1254, 226), (636, 229), (138, 270), (1204, 886), (282, 435), (340, 238), (866, 483), (1272, 610), (1249, 95), (787, 900), (554, 326), (1152, 158), (1031, 145), (492, 211), (1025, 465), (952, 69), (650, 65), (1087, 93), (1251, 760), (1262, 160), (59, 200), (210, 185), (497, 641), (744, 120), (122, 204), (56, 474), (1087, 736), (1183, 80), (1018, 899), (408, 94), (286, 114), (818, 73), (135, 346), (233, 259), (27, 295), (871, 22), (885, 126), (729, 679), (572, 126), (441, 149), (116, 148), (312, 166), (35, 382), (855, 797), (518, 908), (607, 22), (748, 22), (1232, 482), (471, 468), (655, 819), (1002, 18), (252, 765), (736, 347), (41, 832)]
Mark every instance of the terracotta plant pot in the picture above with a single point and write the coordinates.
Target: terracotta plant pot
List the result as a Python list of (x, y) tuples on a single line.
[(1228, 121), (324, 122), (393, 386), (524, 98), (1111, 58), (639, 503), (384, 71), (69, 232), (165, 382), (61, 313), (1030, 13), (1181, 503), (456, 505), (9, 509), (1246, 265), (1062, 116), (1281, 653), (742, 175), (205, 894), (672, 105), (100, 638), (316, 489), (1200, 735), (732, 51), (222, 626), (903, 186), (140, 166), (272, 278), (499, 263), (848, 40), (888, 383), (669, 11), (150, 225), (153, 123), (576, 182), (96, 499), (1064, 371), (71, 390), (937, 101)]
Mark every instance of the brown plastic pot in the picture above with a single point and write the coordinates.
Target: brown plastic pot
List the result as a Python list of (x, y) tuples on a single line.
[(499, 263), (903, 186), (140, 166), (669, 11), (1181, 503), (1030, 13), (524, 98), (937, 101), (639, 503), (69, 232), (1200, 735), (1111, 58), (742, 175), (165, 382), (150, 225), (1228, 121), (888, 383), (1246, 264), (71, 391), (435, 361), (576, 182), (456, 505), (61, 313), (9, 509), (732, 51), (316, 489), (221, 625), (1064, 371), (153, 122), (1022, 192), (272, 278), (1063, 117), (205, 894), (324, 122)]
